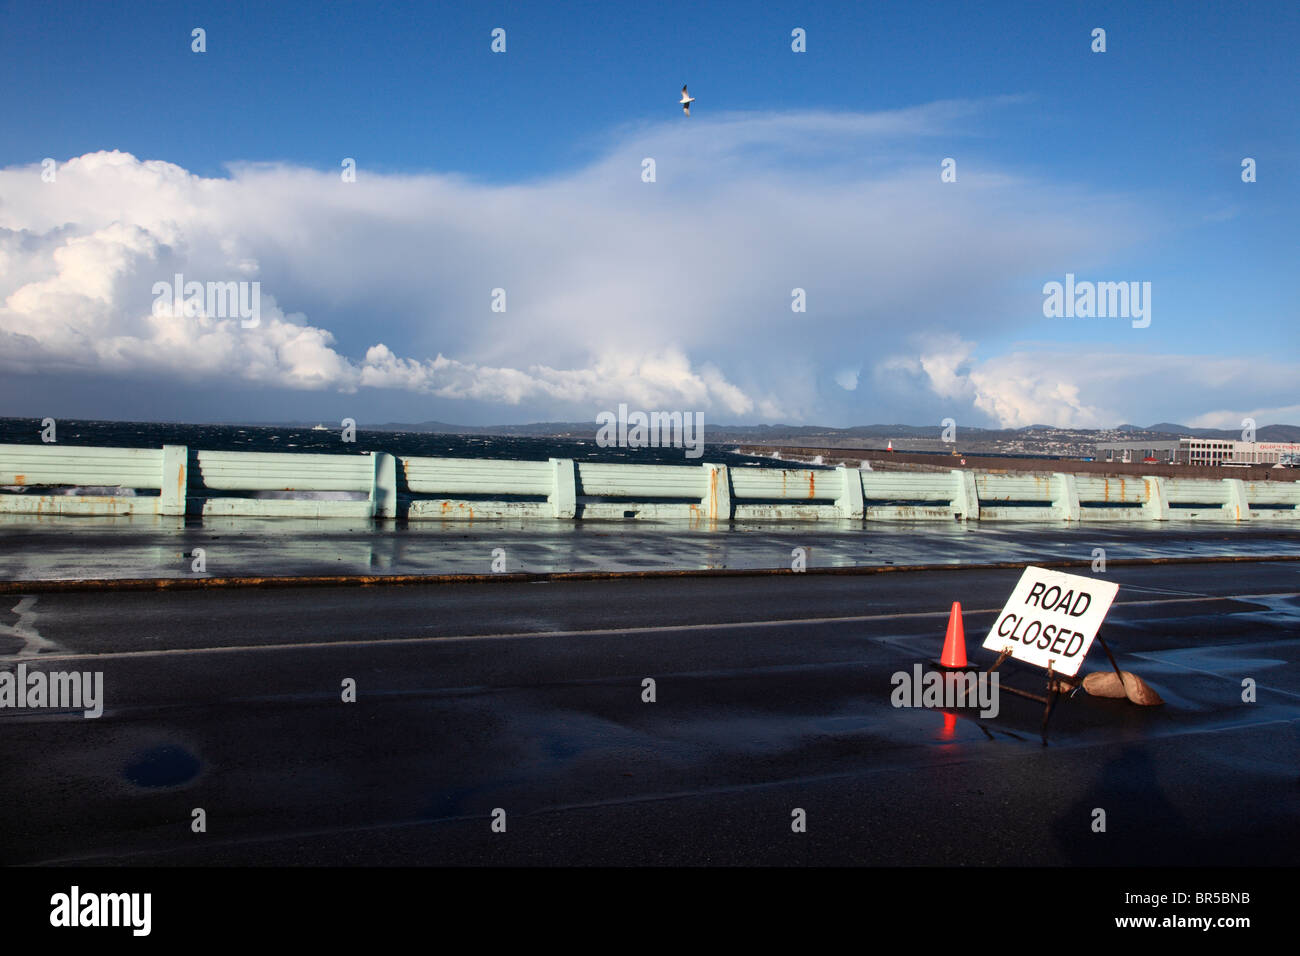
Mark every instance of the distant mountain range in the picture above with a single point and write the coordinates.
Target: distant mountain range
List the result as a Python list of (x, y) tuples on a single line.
[(1035, 440), (837, 437)]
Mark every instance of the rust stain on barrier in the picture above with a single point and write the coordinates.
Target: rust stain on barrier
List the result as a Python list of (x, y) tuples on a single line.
[(445, 507), (812, 483), (916, 512), (20, 479), (377, 580)]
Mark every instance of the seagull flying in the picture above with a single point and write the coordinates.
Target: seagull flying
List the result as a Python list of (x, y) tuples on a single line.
[(687, 100)]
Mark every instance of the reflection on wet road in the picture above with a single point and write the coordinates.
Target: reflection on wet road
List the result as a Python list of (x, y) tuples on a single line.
[(151, 547)]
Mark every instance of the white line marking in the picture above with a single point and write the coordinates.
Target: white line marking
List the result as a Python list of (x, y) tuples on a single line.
[(25, 631), (592, 632)]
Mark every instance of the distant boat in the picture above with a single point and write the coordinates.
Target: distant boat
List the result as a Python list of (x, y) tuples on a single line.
[(319, 428)]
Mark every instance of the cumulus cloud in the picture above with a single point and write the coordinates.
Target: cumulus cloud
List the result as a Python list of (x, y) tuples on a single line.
[(1224, 418), (1080, 388), (648, 381), (847, 378), (667, 294), (76, 277)]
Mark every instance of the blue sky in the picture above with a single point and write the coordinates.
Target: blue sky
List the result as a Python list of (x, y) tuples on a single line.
[(1116, 166)]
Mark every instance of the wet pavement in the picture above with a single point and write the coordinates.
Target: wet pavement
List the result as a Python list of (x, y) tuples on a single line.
[(772, 694), (151, 547)]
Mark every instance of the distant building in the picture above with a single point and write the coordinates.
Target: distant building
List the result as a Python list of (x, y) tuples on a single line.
[(1266, 452), (1163, 451), (1201, 451)]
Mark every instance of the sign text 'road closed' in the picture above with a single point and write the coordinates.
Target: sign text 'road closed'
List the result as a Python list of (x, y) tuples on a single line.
[(1051, 617)]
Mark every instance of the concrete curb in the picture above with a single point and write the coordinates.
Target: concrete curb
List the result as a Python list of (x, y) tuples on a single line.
[(377, 580)]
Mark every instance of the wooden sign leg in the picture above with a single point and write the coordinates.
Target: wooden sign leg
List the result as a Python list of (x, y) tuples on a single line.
[(1118, 673), (1053, 695), (1048, 700)]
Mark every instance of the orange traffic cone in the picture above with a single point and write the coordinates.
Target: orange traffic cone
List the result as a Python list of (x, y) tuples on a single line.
[(954, 644)]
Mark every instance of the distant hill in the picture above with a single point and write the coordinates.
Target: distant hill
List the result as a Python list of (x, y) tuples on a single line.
[(1034, 439), (872, 434)]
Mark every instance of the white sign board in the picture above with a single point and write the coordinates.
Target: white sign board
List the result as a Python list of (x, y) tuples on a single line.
[(1051, 617)]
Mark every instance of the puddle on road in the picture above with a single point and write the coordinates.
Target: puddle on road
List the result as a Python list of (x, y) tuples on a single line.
[(1285, 606), (164, 766)]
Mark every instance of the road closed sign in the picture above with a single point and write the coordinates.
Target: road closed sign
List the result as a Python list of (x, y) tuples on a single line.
[(1051, 618)]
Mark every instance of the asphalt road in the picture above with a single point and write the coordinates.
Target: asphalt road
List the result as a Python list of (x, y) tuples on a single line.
[(772, 694)]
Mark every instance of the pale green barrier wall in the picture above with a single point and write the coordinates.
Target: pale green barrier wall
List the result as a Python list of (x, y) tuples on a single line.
[(463, 488)]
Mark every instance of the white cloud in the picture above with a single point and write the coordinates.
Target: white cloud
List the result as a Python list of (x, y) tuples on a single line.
[(1080, 388), (673, 294), (847, 378), (658, 380), (1222, 418)]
